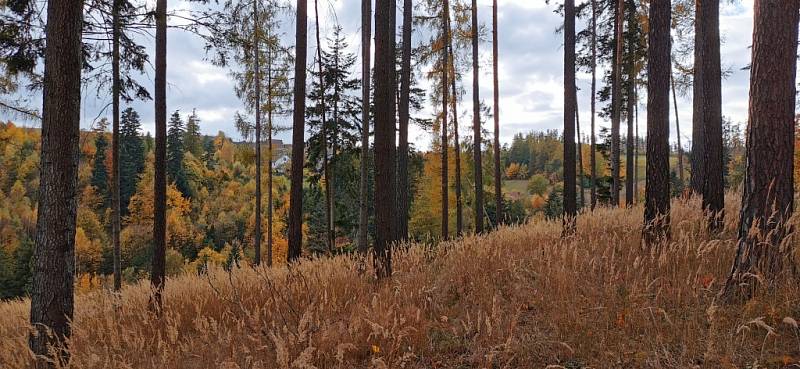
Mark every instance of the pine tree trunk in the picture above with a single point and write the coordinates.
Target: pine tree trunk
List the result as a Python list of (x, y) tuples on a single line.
[(698, 127), (298, 134), (570, 208), (445, 97), (116, 221), (402, 153), (477, 143), (631, 72), (592, 139), (677, 128), (498, 179), (385, 89), (332, 162), (257, 108), (270, 200), (157, 273), (657, 207), (579, 151), (767, 201), (708, 86), (324, 133), (636, 147), (456, 144), (52, 290), (616, 103), (366, 39)]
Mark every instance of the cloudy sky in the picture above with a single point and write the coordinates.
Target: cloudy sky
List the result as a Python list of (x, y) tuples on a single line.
[(530, 70)]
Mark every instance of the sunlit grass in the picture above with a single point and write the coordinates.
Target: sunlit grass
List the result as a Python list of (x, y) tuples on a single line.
[(517, 298)]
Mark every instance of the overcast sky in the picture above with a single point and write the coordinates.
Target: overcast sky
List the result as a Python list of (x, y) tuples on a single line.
[(531, 71)]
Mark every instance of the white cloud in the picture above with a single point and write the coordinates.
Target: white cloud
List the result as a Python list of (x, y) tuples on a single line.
[(531, 83)]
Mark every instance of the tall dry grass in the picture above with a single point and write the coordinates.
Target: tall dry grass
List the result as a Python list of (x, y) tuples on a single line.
[(517, 298)]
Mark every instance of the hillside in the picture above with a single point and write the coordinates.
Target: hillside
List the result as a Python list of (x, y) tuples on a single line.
[(517, 298)]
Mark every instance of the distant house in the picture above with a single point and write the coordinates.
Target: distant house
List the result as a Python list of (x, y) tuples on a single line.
[(277, 144)]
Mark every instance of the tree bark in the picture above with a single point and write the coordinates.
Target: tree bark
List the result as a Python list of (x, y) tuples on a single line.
[(270, 200), (498, 178), (402, 154), (631, 72), (579, 151), (385, 90), (116, 221), (456, 143), (767, 202), (570, 208), (445, 98), (593, 143), (477, 143), (657, 207), (257, 108), (677, 127), (698, 127), (52, 292), (366, 39), (636, 147), (298, 134), (616, 103), (324, 133), (708, 90), (157, 274)]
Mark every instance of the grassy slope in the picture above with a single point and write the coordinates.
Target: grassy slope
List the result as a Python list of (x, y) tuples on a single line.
[(517, 298)]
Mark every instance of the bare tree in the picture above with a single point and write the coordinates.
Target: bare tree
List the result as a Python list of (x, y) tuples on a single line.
[(764, 248)]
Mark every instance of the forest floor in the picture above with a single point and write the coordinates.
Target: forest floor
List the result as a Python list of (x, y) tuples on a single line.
[(520, 297)]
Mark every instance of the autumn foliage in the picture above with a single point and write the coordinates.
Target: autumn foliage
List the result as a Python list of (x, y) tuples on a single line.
[(521, 297)]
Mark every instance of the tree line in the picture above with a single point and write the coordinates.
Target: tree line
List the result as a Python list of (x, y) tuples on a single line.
[(78, 33), (767, 198)]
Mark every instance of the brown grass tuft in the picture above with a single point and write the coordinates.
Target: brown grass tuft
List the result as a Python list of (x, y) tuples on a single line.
[(517, 298)]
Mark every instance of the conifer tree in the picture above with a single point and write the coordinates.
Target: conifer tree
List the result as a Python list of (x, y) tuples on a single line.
[(175, 153), (99, 170), (132, 157), (193, 139)]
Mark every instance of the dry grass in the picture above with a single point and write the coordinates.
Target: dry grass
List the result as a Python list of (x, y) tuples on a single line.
[(517, 298)]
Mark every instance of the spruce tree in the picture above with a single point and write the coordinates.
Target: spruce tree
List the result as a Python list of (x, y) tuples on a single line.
[(132, 157), (192, 138), (175, 150), (99, 170)]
